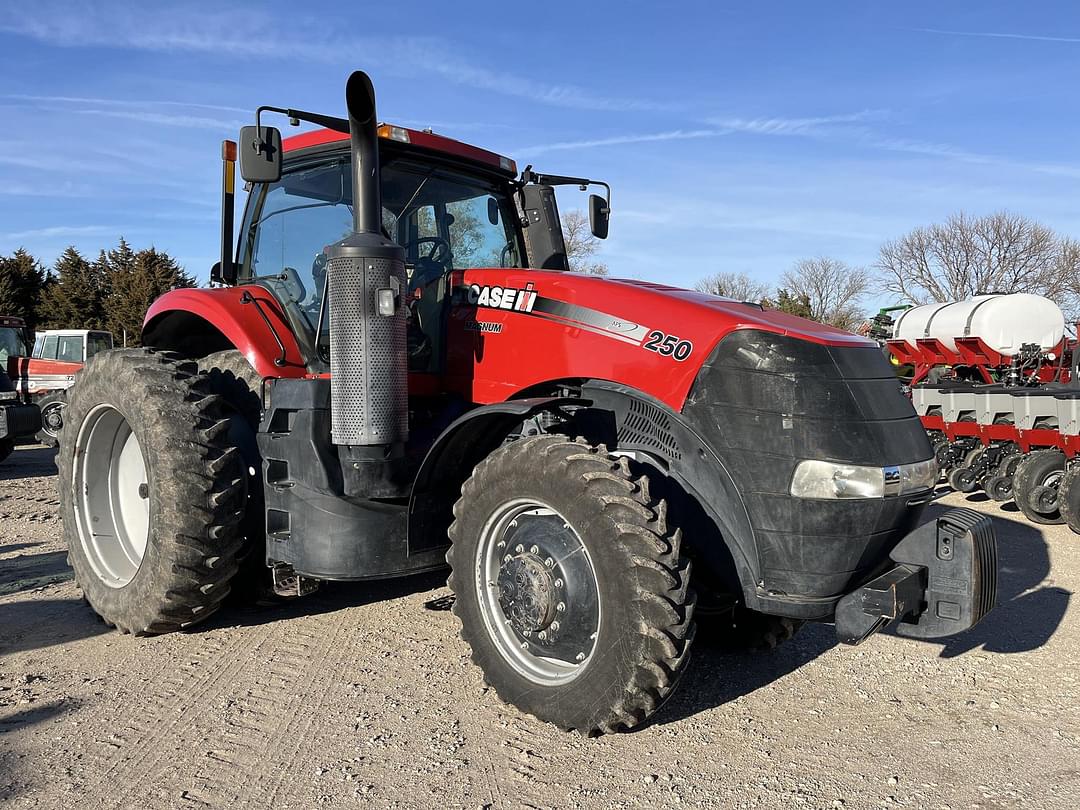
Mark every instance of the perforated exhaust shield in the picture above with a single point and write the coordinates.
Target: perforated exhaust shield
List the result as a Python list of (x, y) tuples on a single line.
[(368, 361)]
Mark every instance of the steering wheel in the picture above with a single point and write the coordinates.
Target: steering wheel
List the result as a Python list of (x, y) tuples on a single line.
[(439, 252)]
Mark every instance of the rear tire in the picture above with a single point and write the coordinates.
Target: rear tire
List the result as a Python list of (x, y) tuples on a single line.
[(739, 629), (1032, 477), (234, 379), (147, 463), (630, 613), (7, 447)]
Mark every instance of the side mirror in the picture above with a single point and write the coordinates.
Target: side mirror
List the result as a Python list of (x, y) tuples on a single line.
[(599, 216), (260, 157), (226, 276), (493, 211)]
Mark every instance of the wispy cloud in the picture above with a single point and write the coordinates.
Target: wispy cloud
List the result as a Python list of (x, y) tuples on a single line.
[(165, 119), (796, 126), (854, 129), (248, 33), (616, 140), (997, 35), (59, 231), (138, 104), (955, 153)]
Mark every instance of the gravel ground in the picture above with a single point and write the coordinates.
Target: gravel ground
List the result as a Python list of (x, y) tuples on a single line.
[(364, 695)]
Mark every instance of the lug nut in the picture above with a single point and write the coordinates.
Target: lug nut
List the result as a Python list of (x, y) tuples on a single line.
[(558, 583), (561, 607), (519, 548), (550, 563), (579, 657), (542, 635), (554, 627), (534, 550)]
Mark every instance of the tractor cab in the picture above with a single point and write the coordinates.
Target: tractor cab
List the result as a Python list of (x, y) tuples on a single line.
[(450, 206), (14, 339), (448, 212)]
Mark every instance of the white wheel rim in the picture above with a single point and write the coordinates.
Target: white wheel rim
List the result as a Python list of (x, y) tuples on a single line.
[(570, 561), (112, 504)]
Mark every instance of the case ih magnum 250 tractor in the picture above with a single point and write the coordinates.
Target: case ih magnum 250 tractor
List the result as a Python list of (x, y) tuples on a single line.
[(398, 373)]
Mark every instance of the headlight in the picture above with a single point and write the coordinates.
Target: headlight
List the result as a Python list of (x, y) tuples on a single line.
[(826, 479)]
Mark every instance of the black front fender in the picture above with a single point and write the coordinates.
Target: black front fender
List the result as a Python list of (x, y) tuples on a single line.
[(451, 459)]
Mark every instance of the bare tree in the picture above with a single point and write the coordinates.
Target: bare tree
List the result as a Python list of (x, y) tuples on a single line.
[(739, 286), (581, 244), (831, 289), (967, 255)]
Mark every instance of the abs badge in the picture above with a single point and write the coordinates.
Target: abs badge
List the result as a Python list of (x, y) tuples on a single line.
[(509, 298)]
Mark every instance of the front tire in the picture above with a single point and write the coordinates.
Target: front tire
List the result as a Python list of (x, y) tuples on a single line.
[(570, 585), (151, 491)]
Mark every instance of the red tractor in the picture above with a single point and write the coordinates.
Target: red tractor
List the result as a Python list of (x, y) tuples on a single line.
[(398, 373)]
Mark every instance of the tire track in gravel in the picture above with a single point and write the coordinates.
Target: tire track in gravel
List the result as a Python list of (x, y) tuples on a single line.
[(181, 695), (282, 689), (319, 673)]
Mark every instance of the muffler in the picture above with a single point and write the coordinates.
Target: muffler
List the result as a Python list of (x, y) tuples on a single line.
[(366, 293)]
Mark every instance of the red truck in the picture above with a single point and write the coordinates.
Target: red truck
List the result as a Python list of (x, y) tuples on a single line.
[(43, 375)]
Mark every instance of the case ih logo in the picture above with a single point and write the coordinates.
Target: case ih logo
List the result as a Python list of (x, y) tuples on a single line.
[(511, 298)]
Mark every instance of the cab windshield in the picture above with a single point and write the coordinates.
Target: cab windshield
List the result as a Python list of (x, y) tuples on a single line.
[(444, 218)]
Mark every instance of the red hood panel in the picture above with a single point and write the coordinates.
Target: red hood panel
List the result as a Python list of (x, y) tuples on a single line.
[(750, 316)]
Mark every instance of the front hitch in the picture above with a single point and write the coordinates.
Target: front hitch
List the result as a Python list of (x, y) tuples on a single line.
[(944, 582)]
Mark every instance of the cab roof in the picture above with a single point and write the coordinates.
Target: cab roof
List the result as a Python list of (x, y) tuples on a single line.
[(422, 138)]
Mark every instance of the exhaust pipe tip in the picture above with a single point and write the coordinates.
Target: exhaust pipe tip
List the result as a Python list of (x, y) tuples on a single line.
[(360, 97)]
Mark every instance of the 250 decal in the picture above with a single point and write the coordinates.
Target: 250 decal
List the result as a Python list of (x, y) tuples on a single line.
[(668, 345)]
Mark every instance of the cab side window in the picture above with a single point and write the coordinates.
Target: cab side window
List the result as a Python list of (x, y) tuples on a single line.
[(70, 348), (97, 342), (48, 347)]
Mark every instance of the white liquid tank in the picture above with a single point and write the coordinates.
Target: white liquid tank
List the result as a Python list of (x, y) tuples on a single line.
[(1002, 322)]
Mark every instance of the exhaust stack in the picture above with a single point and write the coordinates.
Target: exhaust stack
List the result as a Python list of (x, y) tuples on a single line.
[(366, 291)]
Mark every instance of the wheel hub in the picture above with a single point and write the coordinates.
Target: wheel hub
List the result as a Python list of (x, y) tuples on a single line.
[(52, 418), (527, 592), (538, 591)]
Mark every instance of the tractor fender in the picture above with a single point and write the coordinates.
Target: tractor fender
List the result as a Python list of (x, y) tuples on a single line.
[(604, 413), (630, 421), (451, 459), (198, 322)]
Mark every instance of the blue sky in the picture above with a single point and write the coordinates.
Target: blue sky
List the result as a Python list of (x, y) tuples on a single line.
[(737, 137)]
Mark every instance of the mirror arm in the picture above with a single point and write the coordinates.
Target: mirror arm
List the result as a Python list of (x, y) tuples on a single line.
[(529, 176)]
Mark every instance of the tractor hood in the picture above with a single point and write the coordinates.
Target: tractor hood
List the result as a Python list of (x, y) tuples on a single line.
[(750, 315)]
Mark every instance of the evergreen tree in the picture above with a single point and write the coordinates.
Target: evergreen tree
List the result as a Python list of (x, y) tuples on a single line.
[(134, 281), (21, 280), (73, 297), (791, 303)]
